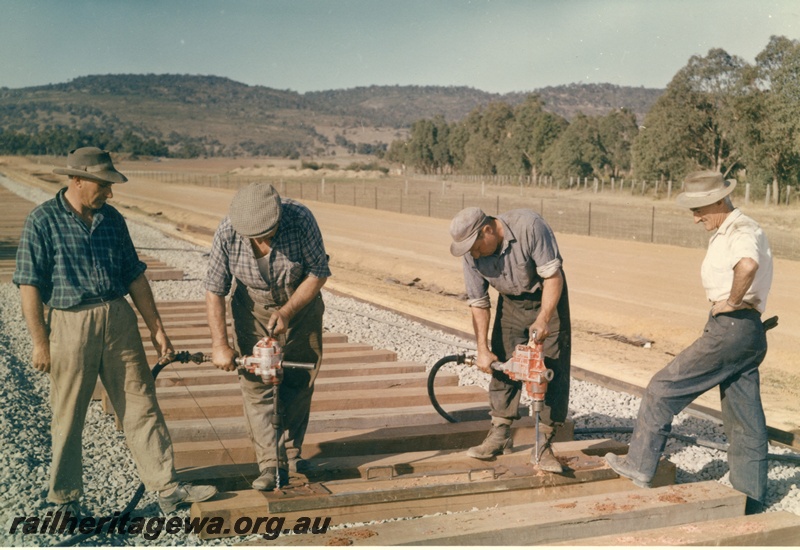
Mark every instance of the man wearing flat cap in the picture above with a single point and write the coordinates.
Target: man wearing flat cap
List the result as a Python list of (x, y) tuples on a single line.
[(76, 256), (737, 275), (272, 249), (517, 254)]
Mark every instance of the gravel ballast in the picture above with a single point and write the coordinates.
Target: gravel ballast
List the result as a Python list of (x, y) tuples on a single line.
[(110, 476)]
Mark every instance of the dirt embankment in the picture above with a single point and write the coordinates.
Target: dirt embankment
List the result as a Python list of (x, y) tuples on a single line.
[(617, 288)]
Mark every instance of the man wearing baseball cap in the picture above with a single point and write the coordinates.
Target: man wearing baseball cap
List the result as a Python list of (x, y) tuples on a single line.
[(76, 256), (737, 275), (272, 248), (517, 254)]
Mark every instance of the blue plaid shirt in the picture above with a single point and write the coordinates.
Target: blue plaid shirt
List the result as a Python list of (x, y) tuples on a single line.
[(297, 251), (70, 262)]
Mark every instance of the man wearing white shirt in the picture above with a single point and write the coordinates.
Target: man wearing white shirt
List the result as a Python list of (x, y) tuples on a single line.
[(736, 274)]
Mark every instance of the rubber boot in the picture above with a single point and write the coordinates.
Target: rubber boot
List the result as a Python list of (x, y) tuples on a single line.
[(547, 460), (498, 441)]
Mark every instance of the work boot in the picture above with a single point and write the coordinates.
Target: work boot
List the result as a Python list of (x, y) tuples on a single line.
[(184, 494), (498, 441), (621, 466), (547, 460), (299, 465), (267, 482), (73, 508)]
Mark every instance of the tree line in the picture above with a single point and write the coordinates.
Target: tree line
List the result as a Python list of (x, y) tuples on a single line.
[(718, 112)]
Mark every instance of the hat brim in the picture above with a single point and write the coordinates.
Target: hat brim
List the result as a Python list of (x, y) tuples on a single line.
[(104, 176), (462, 247), (689, 200)]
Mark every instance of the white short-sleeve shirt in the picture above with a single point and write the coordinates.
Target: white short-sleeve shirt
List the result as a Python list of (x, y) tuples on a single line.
[(738, 237)]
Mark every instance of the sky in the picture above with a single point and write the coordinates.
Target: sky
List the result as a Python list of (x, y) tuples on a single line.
[(311, 45)]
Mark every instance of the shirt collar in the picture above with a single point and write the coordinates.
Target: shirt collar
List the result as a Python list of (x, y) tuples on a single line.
[(723, 229), (508, 237)]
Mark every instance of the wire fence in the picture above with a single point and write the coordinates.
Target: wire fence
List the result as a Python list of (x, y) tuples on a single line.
[(579, 209)]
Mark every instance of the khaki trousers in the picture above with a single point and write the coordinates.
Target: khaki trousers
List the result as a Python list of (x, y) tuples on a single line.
[(103, 340), (302, 343)]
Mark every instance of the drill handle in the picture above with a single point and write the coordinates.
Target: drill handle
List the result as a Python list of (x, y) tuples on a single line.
[(298, 365)]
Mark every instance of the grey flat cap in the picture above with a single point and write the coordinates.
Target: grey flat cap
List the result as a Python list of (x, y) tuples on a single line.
[(255, 210), (93, 164), (464, 229)]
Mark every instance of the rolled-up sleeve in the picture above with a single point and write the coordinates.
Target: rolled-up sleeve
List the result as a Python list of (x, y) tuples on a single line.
[(476, 286), (218, 276)]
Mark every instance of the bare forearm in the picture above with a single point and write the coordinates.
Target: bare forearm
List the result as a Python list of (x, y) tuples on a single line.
[(33, 311), (215, 311), (480, 325), (306, 292), (551, 294), (142, 296), (744, 273)]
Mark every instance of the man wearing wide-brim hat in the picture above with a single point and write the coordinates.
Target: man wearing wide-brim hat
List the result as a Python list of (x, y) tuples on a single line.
[(737, 275), (272, 248), (76, 256)]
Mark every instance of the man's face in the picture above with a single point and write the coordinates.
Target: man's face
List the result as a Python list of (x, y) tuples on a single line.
[(94, 194), (486, 243), (711, 216)]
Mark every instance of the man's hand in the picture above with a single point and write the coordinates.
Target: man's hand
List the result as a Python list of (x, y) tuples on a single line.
[(41, 357), (484, 360), (539, 330), (223, 358), (162, 343), (278, 323)]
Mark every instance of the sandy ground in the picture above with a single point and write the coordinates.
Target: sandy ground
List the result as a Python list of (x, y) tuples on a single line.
[(616, 287)]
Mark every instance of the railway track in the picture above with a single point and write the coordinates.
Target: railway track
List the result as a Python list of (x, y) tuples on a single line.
[(379, 451)]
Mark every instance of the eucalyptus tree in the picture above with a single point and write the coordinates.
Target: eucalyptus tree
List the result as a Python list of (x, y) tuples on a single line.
[(578, 151), (617, 131), (693, 124), (531, 133), (771, 128), (487, 130)]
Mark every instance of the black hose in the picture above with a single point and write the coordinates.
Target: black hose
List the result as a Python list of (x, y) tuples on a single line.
[(459, 359), (183, 357)]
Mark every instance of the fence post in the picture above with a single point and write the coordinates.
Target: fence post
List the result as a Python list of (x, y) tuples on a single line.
[(401, 201), (766, 196), (594, 185), (323, 186), (589, 229), (334, 193), (788, 192), (747, 194), (497, 207), (669, 189), (653, 225)]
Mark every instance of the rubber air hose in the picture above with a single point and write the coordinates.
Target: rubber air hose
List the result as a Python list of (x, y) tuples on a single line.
[(458, 359), (183, 357)]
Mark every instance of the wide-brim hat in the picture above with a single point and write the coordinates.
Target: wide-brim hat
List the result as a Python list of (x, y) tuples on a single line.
[(704, 188), (464, 229), (91, 163), (255, 210)]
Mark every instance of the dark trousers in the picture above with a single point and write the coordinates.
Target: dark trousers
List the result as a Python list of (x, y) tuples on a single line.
[(726, 355), (303, 344), (513, 319)]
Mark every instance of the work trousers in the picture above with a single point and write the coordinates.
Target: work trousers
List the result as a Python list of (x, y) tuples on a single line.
[(303, 344), (726, 355), (513, 319), (103, 340)]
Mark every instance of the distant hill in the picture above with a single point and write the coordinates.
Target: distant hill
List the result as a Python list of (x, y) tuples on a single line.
[(185, 115)]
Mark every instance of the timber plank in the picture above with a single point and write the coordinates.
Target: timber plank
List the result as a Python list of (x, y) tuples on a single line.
[(231, 405), (548, 522), (368, 505), (768, 529)]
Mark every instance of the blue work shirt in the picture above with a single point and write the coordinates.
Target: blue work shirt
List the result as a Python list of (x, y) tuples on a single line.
[(529, 253), (70, 262)]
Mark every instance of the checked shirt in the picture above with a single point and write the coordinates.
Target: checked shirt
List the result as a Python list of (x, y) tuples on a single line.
[(297, 251), (70, 262)]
